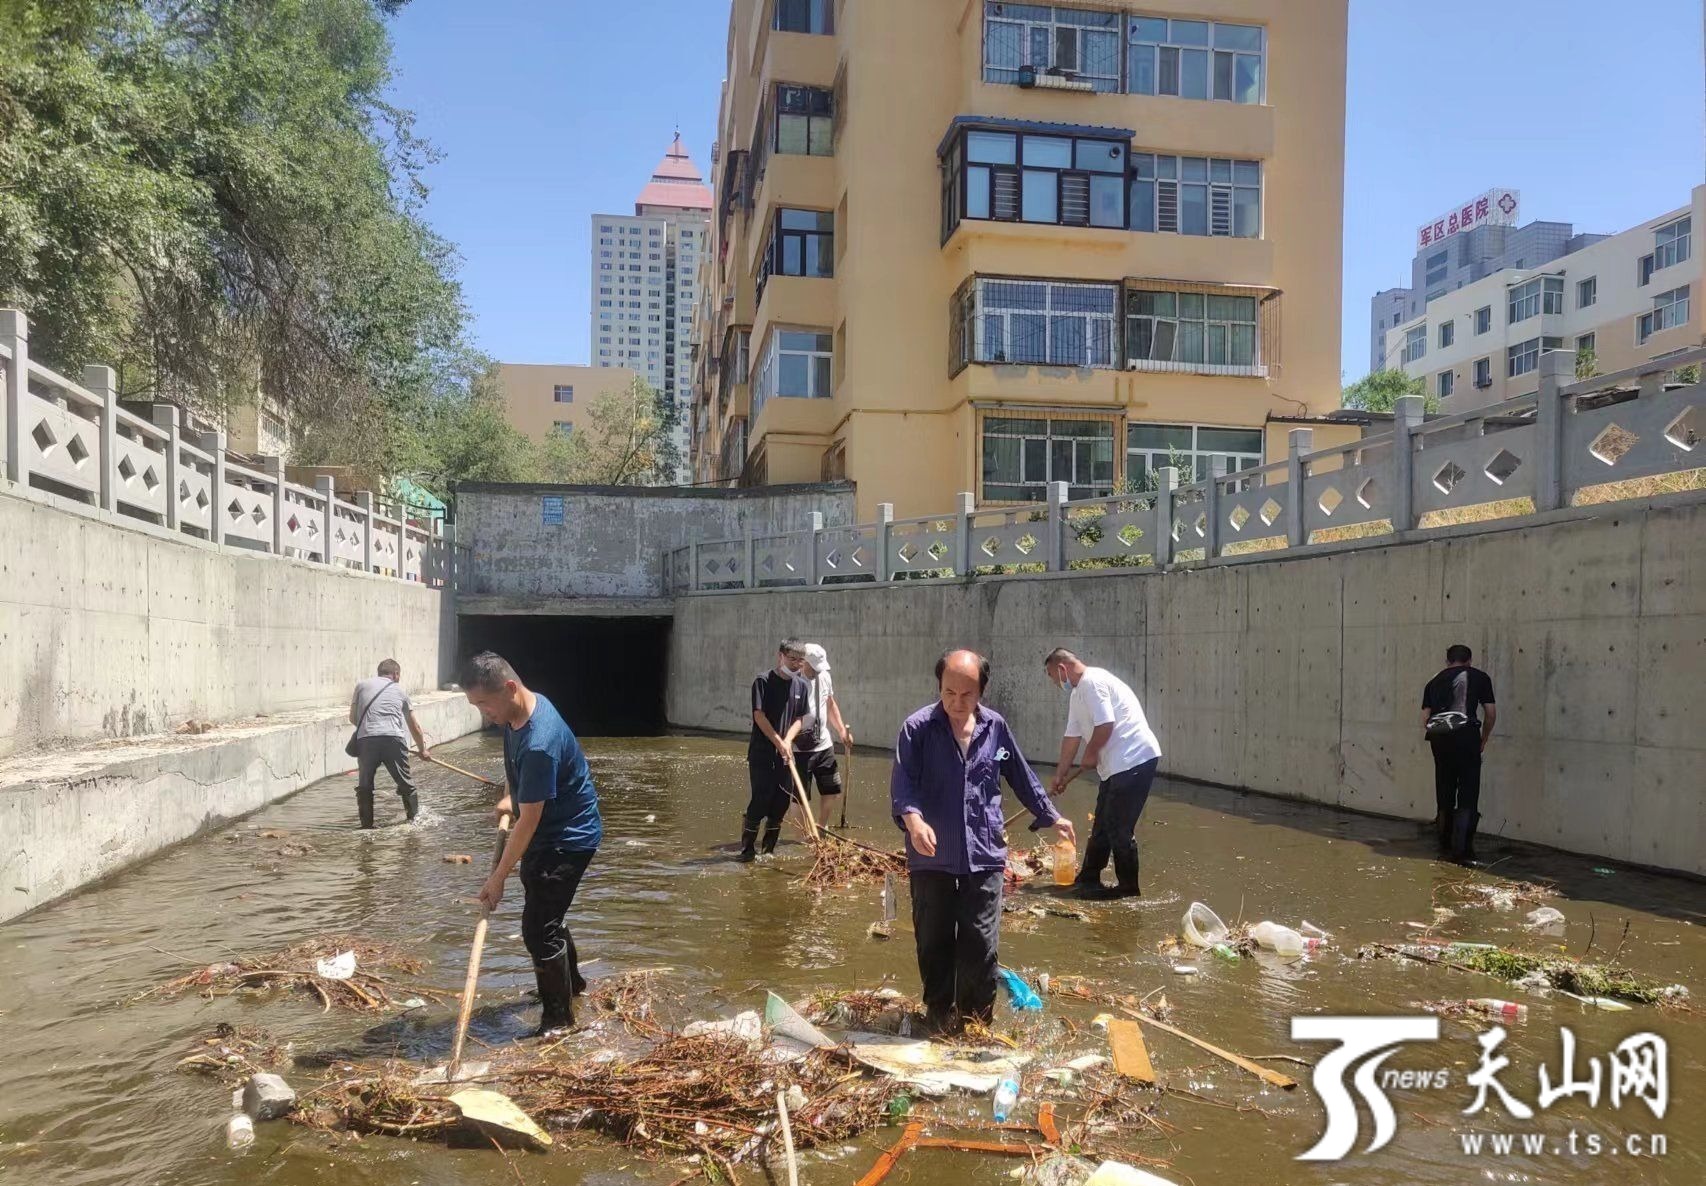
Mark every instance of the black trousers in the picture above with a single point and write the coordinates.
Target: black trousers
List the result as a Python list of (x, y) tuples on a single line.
[(819, 766), (1457, 789), (957, 920), (370, 754), (550, 875), (1119, 803), (772, 791)]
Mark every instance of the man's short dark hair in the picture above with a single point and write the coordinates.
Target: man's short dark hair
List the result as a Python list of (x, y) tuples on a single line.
[(487, 672), (982, 667), (793, 648), (1059, 655), (1458, 654), (390, 668)]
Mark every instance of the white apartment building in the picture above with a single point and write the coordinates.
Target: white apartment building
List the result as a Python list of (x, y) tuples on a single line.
[(1627, 298), (645, 269)]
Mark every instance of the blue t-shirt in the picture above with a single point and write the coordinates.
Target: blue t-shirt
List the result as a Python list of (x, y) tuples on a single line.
[(544, 764)]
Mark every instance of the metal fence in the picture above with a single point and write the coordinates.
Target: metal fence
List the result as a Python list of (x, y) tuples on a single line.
[(1528, 455), (76, 443)]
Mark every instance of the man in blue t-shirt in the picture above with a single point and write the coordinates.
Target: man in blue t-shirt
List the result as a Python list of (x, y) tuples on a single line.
[(557, 826)]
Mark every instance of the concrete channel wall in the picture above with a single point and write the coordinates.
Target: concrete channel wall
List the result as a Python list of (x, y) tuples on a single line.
[(71, 817), (1302, 677), (112, 628)]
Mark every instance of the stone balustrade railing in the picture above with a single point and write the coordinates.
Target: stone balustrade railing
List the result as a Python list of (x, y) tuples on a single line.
[(1527, 456), (77, 444)]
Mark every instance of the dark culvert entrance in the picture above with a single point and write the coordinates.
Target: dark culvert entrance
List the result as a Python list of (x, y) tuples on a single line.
[(605, 675)]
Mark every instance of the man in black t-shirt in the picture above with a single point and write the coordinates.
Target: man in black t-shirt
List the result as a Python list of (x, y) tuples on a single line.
[(780, 702), (1457, 717)]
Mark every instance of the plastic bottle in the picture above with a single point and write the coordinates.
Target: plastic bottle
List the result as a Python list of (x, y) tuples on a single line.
[(1504, 1010), (239, 1132), (1065, 862), (1225, 951), (1278, 939), (1006, 1095)]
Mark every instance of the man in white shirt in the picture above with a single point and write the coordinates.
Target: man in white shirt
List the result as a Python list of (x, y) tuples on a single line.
[(814, 748), (1104, 717)]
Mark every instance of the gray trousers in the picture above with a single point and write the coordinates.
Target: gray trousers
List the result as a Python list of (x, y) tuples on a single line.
[(1119, 802)]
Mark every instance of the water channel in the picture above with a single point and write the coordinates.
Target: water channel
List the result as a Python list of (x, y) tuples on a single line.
[(88, 1093)]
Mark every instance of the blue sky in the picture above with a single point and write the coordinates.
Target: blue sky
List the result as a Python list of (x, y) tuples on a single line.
[(1594, 115)]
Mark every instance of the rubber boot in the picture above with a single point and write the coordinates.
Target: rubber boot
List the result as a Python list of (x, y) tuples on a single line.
[(772, 833), (558, 1012), (577, 982), (748, 839), (1463, 825), (1125, 877), (411, 804), (364, 807)]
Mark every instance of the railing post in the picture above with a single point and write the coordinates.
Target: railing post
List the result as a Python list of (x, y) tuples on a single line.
[(749, 566), (213, 444), (1211, 509), (814, 525), (693, 567), (1167, 478), (885, 530), (165, 416), (326, 488), (1407, 417), (1556, 370), (1056, 498), (273, 468), (964, 504), (1300, 441), (15, 336), (364, 500), (102, 383)]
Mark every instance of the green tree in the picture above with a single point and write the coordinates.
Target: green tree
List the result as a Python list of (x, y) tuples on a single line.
[(1380, 391), (216, 197), (1587, 362), (625, 440)]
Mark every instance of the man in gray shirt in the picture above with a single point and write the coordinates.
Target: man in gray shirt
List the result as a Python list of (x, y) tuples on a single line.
[(380, 711)]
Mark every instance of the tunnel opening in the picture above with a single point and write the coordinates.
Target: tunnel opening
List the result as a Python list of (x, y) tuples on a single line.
[(605, 675)]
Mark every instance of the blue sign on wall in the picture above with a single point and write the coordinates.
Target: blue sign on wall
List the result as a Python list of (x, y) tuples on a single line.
[(551, 510)]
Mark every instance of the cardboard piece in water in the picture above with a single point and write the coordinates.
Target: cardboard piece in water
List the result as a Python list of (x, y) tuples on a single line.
[(496, 1115)]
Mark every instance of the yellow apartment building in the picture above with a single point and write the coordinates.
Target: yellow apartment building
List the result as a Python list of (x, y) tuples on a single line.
[(543, 398), (968, 245), (1626, 299)]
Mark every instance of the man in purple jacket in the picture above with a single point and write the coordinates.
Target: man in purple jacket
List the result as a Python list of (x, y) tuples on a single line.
[(946, 794)]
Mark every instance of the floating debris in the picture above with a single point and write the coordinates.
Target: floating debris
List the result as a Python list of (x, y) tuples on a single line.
[(879, 1010), (631, 999), (233, 1054), (844, 862), (298, 967), (1560, 972)]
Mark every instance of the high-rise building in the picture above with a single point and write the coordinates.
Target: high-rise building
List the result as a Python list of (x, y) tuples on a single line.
[(645, 269), (988, 246), (1615, 303)]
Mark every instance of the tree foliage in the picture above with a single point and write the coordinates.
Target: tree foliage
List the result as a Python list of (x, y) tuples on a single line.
[(626, 440), (1380, 391), (215, 196)]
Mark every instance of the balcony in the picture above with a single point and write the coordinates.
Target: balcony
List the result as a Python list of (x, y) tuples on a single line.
[(805, 182), (1199, 126), (807, 58), (1105, 253), (796, 300)]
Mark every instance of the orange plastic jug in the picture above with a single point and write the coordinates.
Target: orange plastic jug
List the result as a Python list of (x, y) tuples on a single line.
[(1065, 862)]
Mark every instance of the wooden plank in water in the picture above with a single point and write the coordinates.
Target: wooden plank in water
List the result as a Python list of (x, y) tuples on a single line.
[(1131, 1057), (1261, 1072)]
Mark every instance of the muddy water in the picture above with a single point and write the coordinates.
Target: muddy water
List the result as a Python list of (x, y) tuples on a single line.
[(88, 1093)]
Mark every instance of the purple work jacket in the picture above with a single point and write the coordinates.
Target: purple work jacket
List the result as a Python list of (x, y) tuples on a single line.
[(961, 797)]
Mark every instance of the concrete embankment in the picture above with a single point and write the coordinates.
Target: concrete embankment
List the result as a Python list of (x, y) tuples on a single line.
[(1302, 677), (69, 817)]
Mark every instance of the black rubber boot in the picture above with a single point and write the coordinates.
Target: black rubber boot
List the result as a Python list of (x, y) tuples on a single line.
[(772, 834), (577, 982), (1125, 878), (558, 1011), (1463, 827), (411, 804), (748, 839), (364, 806)]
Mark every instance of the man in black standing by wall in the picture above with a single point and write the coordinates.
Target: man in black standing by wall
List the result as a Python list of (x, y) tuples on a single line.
[(780, 703), (1458, 714)]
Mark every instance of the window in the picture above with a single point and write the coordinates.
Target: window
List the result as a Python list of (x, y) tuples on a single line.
[(1195, 59), (1585, 344), (1191, 449), (1031, 177), (1483, 372), (562, 427), (1444, 382), (1447, 333), (1670, 244), (1437, 267), (1193, 331), (1522, 358), (1416, 343), (1543, 294), (802, 243), (1587, 292), (1193, 195), (1034, 322), (805, 16), (1051, 40), (1670, 309), (1021, 455), (796, 365), (563, 393), (804, 125)]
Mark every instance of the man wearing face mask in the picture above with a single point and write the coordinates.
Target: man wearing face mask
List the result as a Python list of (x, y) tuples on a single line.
[(780, 704), (1104, 717)]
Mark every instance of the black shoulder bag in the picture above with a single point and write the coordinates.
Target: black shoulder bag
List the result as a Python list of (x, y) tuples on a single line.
[(349, 747)]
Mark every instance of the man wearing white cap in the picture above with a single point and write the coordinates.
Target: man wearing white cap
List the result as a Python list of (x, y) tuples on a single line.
[(814, 748)]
